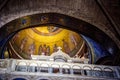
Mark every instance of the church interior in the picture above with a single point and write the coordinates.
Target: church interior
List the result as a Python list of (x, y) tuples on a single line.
[(59, 40)]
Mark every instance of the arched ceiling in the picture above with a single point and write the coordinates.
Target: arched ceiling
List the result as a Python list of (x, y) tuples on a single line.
[(84, 17), (63, 21), (45, 40), (59, 20), (88, 11)]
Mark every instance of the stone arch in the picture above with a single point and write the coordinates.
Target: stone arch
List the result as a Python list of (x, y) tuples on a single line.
[(58, 19), (87, 11), (49, 19)]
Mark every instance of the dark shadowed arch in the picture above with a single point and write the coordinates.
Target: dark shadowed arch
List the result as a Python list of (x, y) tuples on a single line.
[(58, 20)]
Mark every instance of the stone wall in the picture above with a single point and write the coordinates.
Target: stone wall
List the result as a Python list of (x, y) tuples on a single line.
[(86, 10)]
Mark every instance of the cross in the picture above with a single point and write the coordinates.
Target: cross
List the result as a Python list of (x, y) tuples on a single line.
[(59, 48)]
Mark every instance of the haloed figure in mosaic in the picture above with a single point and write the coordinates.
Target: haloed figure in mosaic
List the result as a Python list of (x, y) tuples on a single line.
[(55, 48), (66, 47), (22, 45), (31, 49)]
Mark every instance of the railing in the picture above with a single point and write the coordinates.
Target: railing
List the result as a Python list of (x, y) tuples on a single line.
[(64, 69), (69, 69)]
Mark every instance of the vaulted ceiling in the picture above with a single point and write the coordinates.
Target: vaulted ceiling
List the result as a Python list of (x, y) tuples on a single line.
[(46, 39), (93, 18)]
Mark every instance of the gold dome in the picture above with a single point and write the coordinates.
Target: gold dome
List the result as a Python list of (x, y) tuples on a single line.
[(45, 39)]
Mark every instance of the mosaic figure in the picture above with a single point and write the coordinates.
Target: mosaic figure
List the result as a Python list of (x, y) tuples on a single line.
[(15, 37), (31, 49), (66, 47), (55, 48), (44, 49), (23, 42), (48, 50), (52, 28), (40, 50), (44, 19), (73, 40)]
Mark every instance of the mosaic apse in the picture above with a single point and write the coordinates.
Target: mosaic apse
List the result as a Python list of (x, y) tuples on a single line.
[(44, 40)]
